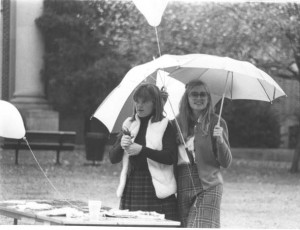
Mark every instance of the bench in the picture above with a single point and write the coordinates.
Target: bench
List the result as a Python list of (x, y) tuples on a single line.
[(42, 140)]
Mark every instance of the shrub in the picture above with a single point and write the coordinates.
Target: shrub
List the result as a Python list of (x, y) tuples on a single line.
[(79, 72), (251, 124)]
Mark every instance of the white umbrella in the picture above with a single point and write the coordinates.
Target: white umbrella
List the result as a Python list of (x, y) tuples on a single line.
[(225, 77), (245, 81), (118, 105)]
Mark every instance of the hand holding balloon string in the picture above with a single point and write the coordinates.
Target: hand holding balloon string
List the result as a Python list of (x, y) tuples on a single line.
[(128, 145)]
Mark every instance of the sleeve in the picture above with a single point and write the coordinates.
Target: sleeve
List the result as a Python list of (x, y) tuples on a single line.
[(169, 154), (223, 150), (116, 152)]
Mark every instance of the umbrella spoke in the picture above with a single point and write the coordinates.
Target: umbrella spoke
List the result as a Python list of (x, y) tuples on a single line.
[(203, 73), (221, 108), (274, 93), (231, 86), (264, 90)]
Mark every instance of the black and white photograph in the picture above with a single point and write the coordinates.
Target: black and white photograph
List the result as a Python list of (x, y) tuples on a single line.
[(150, 113)]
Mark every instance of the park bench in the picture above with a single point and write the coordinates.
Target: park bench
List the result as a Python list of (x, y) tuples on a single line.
[(42, 140)]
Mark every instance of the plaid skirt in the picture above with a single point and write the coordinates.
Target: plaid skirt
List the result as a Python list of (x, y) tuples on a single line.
[(139, 194), (198, 208)]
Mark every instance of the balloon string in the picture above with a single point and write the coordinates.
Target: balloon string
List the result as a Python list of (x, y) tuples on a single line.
[(157, 40), (185, 146), (177, 125), (180, 132), (52, 185), (158, 46)]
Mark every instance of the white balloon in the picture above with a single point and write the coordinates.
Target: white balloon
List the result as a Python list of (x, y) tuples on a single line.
[(11, 122), (152, 10)]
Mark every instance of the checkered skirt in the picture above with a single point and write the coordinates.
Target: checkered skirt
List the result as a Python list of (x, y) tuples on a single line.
[(198, 208), (139, 194)]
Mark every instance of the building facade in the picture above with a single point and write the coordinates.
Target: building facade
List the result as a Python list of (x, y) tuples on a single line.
[(21, 63)]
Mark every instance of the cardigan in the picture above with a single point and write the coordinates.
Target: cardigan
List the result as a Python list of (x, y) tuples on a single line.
[(209, 155)]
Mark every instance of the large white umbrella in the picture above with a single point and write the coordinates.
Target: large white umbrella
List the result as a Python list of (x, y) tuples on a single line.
[(225, 77), (118, 105)]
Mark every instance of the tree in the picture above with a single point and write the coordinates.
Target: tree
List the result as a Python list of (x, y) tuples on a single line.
[(293, 34), (258, 129), (81, 64), (84, 38), (266, 34)]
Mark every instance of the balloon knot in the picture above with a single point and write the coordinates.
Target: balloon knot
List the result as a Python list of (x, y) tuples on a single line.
[(164, 94)]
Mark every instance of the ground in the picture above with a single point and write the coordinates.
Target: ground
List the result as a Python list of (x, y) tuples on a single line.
[(257, 193)]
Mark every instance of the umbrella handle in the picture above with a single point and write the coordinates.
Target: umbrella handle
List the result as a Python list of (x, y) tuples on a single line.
[(221, 108)]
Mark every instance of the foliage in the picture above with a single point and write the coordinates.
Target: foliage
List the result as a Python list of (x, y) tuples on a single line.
[(251, 124), (79, 69), (91, 44)]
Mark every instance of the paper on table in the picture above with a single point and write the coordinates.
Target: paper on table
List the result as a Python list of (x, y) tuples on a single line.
[(14, 202), (66, 211), (32, 206), (134, 214)]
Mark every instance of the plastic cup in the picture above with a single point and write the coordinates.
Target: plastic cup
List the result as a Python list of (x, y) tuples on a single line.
[(94, 209)]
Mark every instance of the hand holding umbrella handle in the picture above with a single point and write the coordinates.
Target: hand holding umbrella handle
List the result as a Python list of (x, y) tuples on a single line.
[(218, 133)]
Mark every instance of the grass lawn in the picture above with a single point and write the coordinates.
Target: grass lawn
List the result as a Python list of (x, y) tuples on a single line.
[(257, 194)]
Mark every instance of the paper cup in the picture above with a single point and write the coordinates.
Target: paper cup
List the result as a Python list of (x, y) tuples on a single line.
[(94, 209)]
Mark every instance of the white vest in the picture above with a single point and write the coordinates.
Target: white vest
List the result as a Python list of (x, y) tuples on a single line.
[(163, 178)]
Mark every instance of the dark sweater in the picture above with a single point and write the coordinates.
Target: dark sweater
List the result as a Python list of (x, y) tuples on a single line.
[(168, 154)]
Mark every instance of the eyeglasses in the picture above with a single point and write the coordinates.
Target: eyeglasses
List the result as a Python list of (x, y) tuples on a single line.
[(196, 95)]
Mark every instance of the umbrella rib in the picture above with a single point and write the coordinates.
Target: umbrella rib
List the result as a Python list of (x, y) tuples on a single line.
[(264, 90), (274, 93), (203, 73), (231, 84), (177, 67)]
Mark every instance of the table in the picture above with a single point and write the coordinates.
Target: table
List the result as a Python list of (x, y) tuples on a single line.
[(11, 208)]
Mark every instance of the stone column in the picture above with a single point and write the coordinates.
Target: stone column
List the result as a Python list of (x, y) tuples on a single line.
[(29, 94), (1, 47)]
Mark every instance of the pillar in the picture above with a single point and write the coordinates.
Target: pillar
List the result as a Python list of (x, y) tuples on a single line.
[(27, 61), (1, 46)]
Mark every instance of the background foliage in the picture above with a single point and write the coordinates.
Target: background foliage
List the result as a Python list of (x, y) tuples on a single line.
[(90, 45)]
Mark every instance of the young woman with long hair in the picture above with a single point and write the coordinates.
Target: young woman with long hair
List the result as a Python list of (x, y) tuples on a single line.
[(199, 182), (148, 151)]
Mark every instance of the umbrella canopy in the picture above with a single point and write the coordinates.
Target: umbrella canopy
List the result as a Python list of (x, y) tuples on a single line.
[(225, 77), (118, 105), (244, 80)]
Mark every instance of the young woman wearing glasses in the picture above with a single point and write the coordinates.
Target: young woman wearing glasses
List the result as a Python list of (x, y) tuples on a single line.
[(199, 180)]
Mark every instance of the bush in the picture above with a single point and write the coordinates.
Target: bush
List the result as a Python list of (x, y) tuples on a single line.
[(90, 45), (251, 124), (79, 72)]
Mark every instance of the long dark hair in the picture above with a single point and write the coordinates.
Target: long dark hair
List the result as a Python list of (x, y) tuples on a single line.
[(185, 117), (149, 92)]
